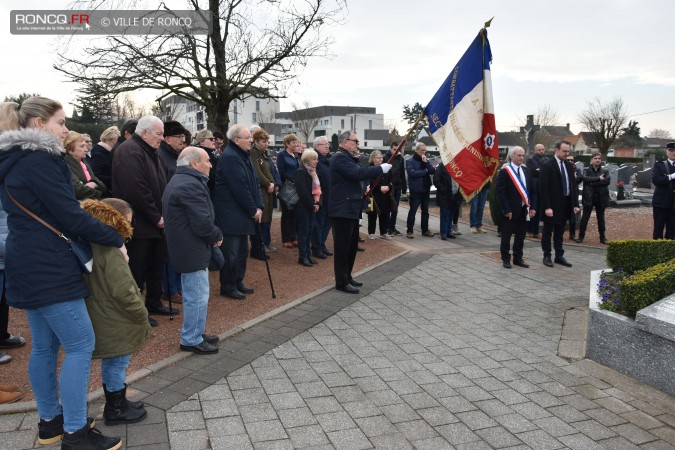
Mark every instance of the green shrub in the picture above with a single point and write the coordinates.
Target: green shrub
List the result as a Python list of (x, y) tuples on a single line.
[(639, 254), (647, 286)]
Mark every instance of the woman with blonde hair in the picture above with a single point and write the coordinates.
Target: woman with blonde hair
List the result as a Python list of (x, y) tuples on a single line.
[(46, 278), (101, 156), (381, 199), (85, 183), (308, 186)]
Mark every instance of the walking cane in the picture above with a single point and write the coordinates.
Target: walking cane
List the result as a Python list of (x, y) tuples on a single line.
[(267, 263), (166, 272)]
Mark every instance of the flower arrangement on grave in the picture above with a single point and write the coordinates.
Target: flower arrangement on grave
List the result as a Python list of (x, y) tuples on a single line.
[(620, 190)]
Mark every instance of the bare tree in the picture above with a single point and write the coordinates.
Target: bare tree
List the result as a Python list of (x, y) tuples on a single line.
[(545, 116), (265, 120), (658, 133), (605, 121), (305, 118), (253, 49)]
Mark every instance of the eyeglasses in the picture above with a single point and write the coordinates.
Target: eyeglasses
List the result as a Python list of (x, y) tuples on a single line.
[(249, 138), (211, 139), (356, 141)]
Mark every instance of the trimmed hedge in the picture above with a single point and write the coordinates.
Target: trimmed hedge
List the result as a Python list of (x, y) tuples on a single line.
[(647, 286), (639, 254)]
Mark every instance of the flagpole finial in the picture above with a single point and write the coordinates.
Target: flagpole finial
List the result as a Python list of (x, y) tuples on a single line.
[(487, 24)]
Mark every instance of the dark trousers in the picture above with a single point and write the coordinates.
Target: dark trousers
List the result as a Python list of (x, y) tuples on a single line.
[(304, 219), (557, 229), (4, 311), (321, 229), (458, 207), (599, 213), (415, 201), (235, 252), (664, 218), (146, 261), (257, 242), (345, 243), (382, 207), (288, 227), (515, 227), (394, 214)]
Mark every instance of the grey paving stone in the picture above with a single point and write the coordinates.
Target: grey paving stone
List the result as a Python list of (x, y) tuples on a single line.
[(399, 413), (642, 420), (361, 408), (312, 389), (349, 439), (554, 426), (539, 439), (187, 420), (494, 407), (605, 417), (544, 399), (345, 394), (666, 433), (580, 442), (421, 400), (509, 396), (165, 399), (515, 423), (476, 420), (457, 433), (375, 425), (280, 444), (619, 443), (308, 436), (579, 402), (225, 426), (323, 405), (498, 437), (416, 430), (437, 443), (277, 386), (335, 421), (437, 416), (296, 417), (219, 408), (593, 429), (12, 422), (215, 392), (633, 433), (270, 430), (391, 442), (257, 412), (250, 396), (189, 439), (17, 439)]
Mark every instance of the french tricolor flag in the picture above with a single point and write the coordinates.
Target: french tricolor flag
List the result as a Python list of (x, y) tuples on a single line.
[(462, 121)]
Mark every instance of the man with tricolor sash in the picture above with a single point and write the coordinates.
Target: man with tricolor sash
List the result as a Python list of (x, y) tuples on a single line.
[(516, 200)]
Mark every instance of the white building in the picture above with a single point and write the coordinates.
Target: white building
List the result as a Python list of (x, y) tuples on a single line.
[(365, 121), (250, 111)]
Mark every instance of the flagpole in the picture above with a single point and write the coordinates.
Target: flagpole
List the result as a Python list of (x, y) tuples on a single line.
[(369, 192)]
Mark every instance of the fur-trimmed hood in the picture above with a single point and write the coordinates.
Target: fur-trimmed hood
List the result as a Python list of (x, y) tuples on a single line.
[(16, 144)]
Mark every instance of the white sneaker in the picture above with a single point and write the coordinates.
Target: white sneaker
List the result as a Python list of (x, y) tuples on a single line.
[(455, 230), (386, 237), (371, 236)]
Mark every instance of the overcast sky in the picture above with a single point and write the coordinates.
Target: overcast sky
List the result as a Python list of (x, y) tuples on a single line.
[(395, 52)]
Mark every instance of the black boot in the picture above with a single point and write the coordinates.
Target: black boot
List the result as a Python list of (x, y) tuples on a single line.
[(132, 404), (117, 409), (89, 439), (602, 239)]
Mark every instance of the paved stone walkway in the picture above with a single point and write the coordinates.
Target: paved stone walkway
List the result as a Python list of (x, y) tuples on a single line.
[(443, 349)]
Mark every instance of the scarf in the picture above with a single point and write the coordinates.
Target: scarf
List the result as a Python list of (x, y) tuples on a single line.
[(316, 184)]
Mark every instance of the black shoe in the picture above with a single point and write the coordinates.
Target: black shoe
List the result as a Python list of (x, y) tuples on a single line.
[(244, 290), (12, 342), (152, 322), (327, 252), (117, 409), (234, 293), (451, 236), (397, 233), (562, 261), (547, 261), (520, 263), (312, 261), (506, 264), (203, 348), (355, 283), (319, 255), (444, 238), (131, 403), (52, 431), (580, 240), (210, 338), (573, 237), (305, 262), (360, 249), (163, 310), (89, 438), (349, 289), (602, 241)]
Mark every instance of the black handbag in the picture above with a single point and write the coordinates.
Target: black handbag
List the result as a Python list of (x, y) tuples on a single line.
[(288, 194), (81, 249)]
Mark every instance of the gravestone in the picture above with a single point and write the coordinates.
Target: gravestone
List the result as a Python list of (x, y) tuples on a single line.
[(658, 318), (623, 175), (613, 169), (644, 179)]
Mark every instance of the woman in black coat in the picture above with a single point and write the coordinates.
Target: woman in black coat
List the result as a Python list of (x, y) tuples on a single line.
[(595, 195), (381, 199), (446, 188), (309, 191)]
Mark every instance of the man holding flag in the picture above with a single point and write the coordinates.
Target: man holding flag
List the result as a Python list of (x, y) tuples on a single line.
[(516, 201)]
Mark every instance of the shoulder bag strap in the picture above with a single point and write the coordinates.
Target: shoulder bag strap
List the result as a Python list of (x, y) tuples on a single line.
[(27, 211)]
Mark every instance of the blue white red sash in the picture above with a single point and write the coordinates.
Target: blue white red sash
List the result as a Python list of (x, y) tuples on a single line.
[(518, 183)]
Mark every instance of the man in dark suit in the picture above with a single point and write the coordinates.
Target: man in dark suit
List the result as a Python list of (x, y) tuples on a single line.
[(663, 201), (517, 202), (344, 207), (559, 199)]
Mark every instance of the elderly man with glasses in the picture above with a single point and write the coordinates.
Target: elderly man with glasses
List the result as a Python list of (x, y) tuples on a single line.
[(239, 206)]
